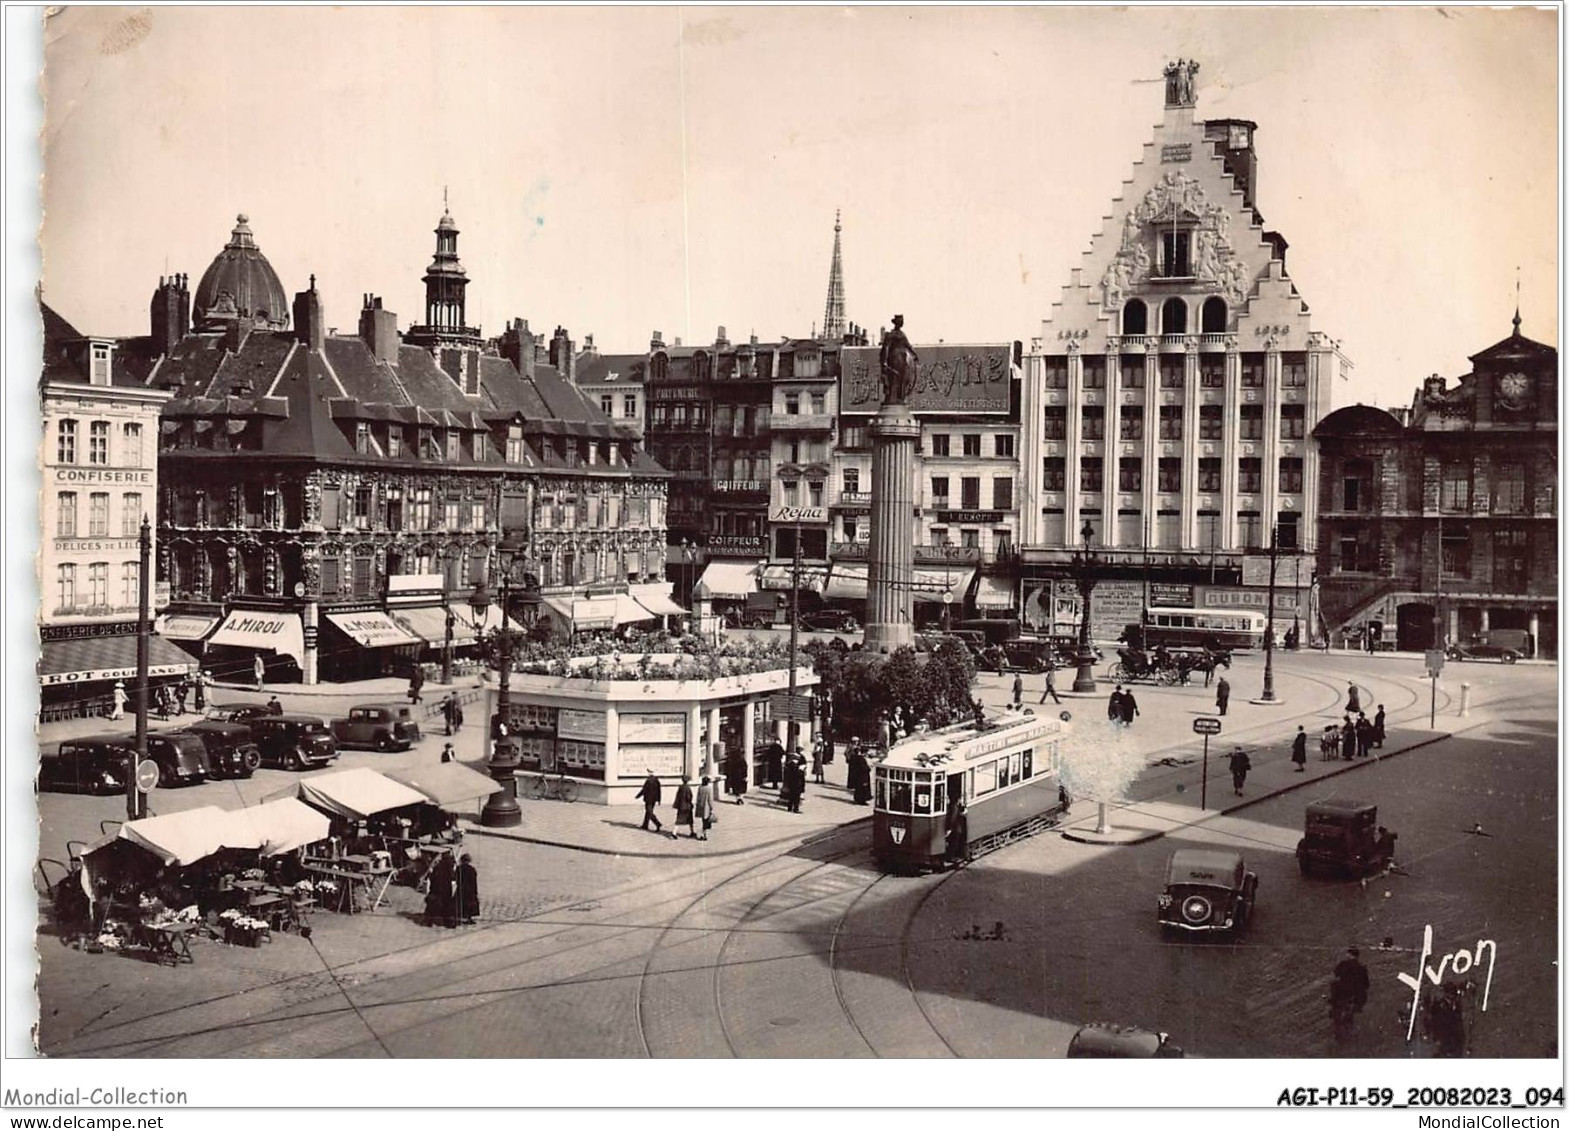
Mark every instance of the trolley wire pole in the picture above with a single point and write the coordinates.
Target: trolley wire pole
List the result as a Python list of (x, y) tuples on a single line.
[(135, 801), (1269, 621), (792, 732)]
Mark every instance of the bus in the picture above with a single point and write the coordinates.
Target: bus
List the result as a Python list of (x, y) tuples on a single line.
[(1199, 628), (1005, 770)]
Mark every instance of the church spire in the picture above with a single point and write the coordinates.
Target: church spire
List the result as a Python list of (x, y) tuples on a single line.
[(1517, 302), (833, 312)]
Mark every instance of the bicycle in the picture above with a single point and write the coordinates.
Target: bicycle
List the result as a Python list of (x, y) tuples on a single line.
[(542, 787)]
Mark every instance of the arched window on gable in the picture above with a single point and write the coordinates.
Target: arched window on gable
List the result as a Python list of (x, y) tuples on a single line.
[(1135, 317), (1174, 316), (1212, 319)]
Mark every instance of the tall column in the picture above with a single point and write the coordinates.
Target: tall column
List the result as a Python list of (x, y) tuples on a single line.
[(693, 761), (890, 622), (1269, 448), (1188, 500), (711, 747), (1154, 396), (1030, 450), (1231, 427)]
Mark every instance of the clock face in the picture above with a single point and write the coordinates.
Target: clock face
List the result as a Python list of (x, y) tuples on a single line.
[(1513, 388)]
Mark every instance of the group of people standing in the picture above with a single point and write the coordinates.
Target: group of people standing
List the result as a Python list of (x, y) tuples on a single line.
[(168, 699), (452, 896), (1122, 708)]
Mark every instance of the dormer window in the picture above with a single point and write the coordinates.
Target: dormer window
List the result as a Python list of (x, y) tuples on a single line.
[(394, 441), (454, 445), (515, 443), (362, 438), (101, 363)]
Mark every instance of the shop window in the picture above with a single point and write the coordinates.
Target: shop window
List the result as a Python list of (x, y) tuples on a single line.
[(970, 539)]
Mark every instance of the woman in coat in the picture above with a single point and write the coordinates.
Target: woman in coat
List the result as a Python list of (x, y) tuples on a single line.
[(703, 810), (467, 895), (735, 776), (817, 761), (438, 897), (683, 804)]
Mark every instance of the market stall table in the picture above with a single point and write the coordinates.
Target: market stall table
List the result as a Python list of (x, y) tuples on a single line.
[(167, 942)]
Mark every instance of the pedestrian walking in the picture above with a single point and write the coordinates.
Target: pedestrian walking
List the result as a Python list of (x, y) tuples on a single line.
[(259, 670), (703, 808), (794, 781), (438, 896), (1018, 690), (1239, 765), (776, 756), (466, 897), (860, 771), (1299, 750), (200, 689), (735, 776), (1222, 695), (1378, 727), (274, 707), (416, 682), (118, 710), (449, 707), (1353, 699), (817, 760), (650, 796), (684, 804), (1114, 705), (448, 754), (181, 691), (1051, 684), (1130, 707)]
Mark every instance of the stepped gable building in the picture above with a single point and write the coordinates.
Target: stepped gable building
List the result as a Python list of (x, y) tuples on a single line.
[(1440, 523), (1169, 400), (99, 470), (328, 498)]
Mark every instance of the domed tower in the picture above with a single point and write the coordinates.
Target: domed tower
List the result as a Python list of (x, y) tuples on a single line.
[(240, 285), (445, 332)]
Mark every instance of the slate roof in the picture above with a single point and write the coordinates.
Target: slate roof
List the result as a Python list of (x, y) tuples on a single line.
[(608, 367)]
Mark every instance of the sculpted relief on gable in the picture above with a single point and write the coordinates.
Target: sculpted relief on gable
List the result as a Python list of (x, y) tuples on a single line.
[(1176, 199)]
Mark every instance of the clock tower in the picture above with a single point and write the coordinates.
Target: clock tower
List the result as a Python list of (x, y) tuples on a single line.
[(1516, 382)]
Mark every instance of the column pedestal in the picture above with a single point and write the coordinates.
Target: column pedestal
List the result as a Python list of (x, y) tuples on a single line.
[(890, 599)]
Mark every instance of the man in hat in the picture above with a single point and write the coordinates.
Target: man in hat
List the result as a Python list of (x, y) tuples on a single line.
[(650, 795)]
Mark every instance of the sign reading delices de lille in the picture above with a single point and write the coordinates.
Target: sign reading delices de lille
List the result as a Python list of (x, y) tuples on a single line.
[(951, 379)]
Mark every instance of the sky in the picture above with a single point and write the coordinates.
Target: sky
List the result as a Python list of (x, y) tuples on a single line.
[(621, 171)]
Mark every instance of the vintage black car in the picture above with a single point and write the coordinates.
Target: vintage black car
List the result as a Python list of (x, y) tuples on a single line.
[(293, 742), (380, 726), (1343, 837), (1103, 1040), (235, 712), (1483, 649), (230, 751), (87, 765), (1207, 889), (829, 620)]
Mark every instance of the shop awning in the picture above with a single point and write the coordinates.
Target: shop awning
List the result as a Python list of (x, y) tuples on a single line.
[(267, 631), (655, 597), (490, 622), (430, 622), (108, 657), (373, 629), (994, 593), (176, 627), (594, 612), (447, 784), (629, 611), (285, 824), (729, 581), (355, 794), (930, 584), (781, 577), (847, 582), (185, 837)]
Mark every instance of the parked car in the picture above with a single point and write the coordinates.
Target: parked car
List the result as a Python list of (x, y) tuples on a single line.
[(181, 758), (380, 726), (1207, 890), (86, 765), (235, 712), (1481, 648), (293, 742), (1344, 836), (1105, 1040), (231, 753), (830, 620)]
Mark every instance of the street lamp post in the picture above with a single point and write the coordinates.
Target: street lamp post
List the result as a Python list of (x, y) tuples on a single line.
[(501, 809), (1085, 564), (1269, 621), (135, 799), (949, 552), (446, 646)]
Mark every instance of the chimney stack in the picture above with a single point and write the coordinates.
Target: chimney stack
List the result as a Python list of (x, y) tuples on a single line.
[(561, 354), (721, 340), (379, 329), (518, 347), (171, 312), (657, 342), (310, 324)]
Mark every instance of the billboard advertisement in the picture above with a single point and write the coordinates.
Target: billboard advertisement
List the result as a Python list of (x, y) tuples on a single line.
[(952, 379)]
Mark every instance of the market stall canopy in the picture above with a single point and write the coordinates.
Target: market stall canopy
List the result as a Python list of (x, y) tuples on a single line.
[(994, 593), (355, 794), (285, 824), (264, 630), (730, 581), (813, 578), (847, 582), (655, 597), (629, 611), (108, 657), (931, 583), (185, 627), (373, 629), (446, 783), (185, 837)]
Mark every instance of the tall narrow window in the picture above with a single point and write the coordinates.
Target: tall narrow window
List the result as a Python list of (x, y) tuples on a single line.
[(1055, 371), (98, 443), (1170, 422), (970, 492), (1252, 422), (1135, 320), (514, 443), (1094, 370), (1212, 372), (98, 585), (1509, 488), (65, 515), (1213, 316), (1054, 426), (1209, 474), (940, 444), (98, 514), (972, 444), (1173, 316), (1054, 473), (1002, 493), (1130, 474), (65, 580), (1132, 372), (1090, 473), (1291, 474), (1170, 475), (1130, 422), (1094, 423), (131, 445), (130, 515), (1211, 422), (1455, 487), (1172, 371), (1250, 474), (1174, 256), (1293, 370), (100, 372), (130, 585), (852, 480), (1293, 421), (1003, 445), (65, 448), (1252, 371)]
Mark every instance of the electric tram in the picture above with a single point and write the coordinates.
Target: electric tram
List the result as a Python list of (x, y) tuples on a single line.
[(1198, 628), (1006, 772)]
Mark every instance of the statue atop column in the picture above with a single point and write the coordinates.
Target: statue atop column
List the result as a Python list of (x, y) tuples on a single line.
[(899, 364)]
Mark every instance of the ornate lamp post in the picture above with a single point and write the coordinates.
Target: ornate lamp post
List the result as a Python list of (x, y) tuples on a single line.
[(502, 810), (1269, 621), (949, 553), (1084, 563)]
